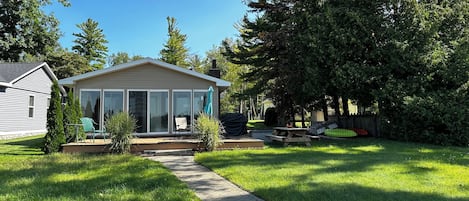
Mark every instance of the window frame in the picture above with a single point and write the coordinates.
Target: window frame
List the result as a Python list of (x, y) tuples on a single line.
[(31, 107)]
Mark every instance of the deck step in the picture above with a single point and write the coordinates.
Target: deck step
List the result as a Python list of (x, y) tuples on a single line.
[(169, 152)]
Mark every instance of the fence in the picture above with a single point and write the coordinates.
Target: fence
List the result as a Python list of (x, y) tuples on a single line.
[(369, 122)]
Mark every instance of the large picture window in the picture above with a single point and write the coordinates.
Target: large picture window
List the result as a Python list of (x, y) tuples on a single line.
[(90, 104), (182, 111), (159, 111), (113, 102), (138, 109)]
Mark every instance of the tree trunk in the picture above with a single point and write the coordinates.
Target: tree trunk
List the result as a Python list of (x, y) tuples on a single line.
[(345, 106), (303, 125), (335, 102), (324, 111)]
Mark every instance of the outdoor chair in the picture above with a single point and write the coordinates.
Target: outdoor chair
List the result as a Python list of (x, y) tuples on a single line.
[(181, 123), (88, 127)]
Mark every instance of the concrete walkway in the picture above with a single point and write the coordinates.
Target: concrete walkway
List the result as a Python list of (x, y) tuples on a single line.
[(207, 185)]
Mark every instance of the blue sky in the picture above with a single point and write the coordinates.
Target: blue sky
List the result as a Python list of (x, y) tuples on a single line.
[(139, 27)]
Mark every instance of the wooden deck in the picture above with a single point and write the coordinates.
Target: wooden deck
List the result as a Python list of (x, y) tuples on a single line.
[(139, 145)]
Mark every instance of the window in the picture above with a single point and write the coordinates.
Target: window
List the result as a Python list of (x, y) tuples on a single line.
[(90, 104), (31, 107), (182, 109), (113, 102)]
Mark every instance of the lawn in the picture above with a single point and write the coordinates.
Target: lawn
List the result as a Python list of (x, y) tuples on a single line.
[(27, 174), (356, 169)]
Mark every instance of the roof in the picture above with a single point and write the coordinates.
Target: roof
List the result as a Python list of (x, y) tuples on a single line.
[(12, 72), (72, 80)]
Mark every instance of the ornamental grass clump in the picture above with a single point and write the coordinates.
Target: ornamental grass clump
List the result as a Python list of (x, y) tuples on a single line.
[(120, 126), (208, 129)]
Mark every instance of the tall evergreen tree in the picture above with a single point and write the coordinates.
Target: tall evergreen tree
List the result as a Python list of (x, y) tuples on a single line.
[(174, 51), (91, 43), (26, 29), (55, 136), (72, 115)]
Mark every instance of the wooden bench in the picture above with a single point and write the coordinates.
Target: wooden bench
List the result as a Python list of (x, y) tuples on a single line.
[(287, 135)]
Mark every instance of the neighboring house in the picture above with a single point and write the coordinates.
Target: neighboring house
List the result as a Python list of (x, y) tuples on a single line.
[(24, 97), (155, 93)]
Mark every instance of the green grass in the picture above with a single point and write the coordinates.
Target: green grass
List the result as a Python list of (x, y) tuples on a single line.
[(257, 125), (357, 169), (27, 174)]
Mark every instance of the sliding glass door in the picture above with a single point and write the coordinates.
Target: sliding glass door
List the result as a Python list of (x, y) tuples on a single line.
[(159, 111), (138, 109), (90, 104), (113, 102), (200, 100), (182, 111)]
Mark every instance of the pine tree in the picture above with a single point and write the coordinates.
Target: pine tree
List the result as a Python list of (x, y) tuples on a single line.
[(91, 43), (55, 136), (72, 116), (174, 51)]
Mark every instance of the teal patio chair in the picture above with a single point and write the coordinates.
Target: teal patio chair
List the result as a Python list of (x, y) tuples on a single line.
[(88, 127)]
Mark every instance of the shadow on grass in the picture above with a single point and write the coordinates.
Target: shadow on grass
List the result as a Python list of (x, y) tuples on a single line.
[(346, 192), (22, 146), (91, 177), (327, 158)]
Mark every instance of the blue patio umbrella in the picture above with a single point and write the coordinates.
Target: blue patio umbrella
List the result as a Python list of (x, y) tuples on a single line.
[(208, 109)]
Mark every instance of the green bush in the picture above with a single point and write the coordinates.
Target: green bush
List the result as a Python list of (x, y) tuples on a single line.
[(438, 118), (55, 135), (120, 126), (72, 114), (208, 129)]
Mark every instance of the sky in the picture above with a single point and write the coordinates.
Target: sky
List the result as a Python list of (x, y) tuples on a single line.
[(139, 27)]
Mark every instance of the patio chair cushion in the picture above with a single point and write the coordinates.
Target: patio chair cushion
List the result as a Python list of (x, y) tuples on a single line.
[(338, 132)]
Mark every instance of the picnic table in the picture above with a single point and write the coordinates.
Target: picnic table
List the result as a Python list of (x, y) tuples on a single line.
[(287, 135)]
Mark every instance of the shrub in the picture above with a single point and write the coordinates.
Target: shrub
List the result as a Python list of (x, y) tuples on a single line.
[(72, 114), (270, 117), (120, 126), (208, 132), (55, 135)]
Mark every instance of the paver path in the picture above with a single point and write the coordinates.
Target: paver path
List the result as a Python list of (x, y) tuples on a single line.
[(207, 185)]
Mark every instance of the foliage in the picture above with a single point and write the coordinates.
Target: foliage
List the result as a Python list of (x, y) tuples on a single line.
[(122, 57), (174, 51), (360, 169), (91, 43), (26, 29), (208, 131), (67, 64), (27, 174), (196, 63), (55, 136), (121, 126), (72, 114), (405, 55), (270, 117)]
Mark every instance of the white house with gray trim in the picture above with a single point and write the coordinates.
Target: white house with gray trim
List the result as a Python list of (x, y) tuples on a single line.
[(154, 92), (25, 90)]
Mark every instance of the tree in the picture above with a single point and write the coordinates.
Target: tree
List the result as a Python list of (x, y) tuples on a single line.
[(122, 57), (72, 115), (174, 51), (91, 43), (197, 64), (67, 64), (26, 29), (55, 136)]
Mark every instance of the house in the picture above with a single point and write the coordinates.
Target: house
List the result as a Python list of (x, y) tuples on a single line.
[(25, 90), (155, 93)]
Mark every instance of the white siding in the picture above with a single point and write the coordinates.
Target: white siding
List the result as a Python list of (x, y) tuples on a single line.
[(14, 104)]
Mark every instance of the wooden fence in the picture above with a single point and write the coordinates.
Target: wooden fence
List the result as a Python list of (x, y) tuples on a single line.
[(369, 122)]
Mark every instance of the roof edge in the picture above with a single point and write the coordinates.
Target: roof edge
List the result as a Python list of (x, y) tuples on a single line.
[(71, 80)]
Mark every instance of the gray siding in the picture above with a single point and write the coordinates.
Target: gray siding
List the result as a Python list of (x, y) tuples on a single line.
[(14, 104), (148, 76)]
